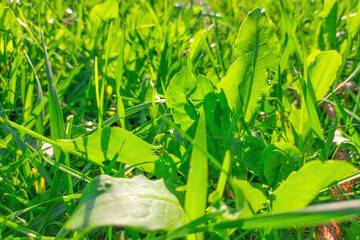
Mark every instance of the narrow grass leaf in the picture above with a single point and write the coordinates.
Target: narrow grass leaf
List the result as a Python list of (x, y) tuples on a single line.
[(98, 95), (118, 79), (56, 117), (196, 185), (310, 216)]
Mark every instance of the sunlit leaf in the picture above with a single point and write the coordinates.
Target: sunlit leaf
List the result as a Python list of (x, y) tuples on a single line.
[(197, 181), (107, 143), (257, 51), (254, 197), (184, 95), (136, 202), (301, 187), (322, 71)]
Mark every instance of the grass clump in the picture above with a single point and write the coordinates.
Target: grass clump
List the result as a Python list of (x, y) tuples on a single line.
[(170, 120)]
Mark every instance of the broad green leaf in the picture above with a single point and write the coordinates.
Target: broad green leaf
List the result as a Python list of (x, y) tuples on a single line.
[(255, 197), (8, 19), (177, 95), (322, 71), (197, 181), (353, 232), (184, 95), (137, 202), (308, 106), (297, 125), (106, 11), (301, 187), (107, 143), (353, 23), (257, 51), (166, 168), (99, 14), (278, 161), (249, 152)]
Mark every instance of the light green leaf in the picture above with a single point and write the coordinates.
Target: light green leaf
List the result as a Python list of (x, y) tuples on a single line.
[(301, 187), (136, 202), (8, 19), (107, 143), (255, 198), (105, 11), (257, 51), (197, 181), (322, 71), (353, 23), (185, 94), (177, 94), (100, 14)]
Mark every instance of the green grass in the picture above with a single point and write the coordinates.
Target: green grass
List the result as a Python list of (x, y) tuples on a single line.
[(244, 109)]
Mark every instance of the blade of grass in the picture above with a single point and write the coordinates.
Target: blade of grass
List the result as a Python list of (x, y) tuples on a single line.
[(23, 19), (104, 81), (196, 185), (131, 110), (118, 77), (77, 42), (57, 129), (18, 228), (310, 216), (79, 24), (56, 118), (45, 139), (39, 124), (97, 91)]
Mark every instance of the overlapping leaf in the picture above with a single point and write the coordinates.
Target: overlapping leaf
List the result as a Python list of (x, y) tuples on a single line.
[(184, 95), (257, 51), (107, 143)]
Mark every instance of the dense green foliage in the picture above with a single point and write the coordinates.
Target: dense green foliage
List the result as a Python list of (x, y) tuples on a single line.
[(192, 119)]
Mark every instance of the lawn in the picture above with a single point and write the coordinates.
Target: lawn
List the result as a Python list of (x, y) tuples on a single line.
[(179, 119)]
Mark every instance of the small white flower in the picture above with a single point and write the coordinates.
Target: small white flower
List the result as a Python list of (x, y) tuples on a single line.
[(69, 11)]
